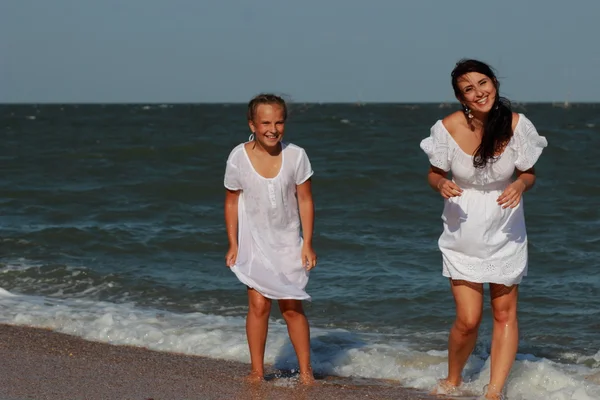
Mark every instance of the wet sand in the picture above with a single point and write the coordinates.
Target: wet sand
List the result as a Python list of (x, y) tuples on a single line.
[(44, 365)]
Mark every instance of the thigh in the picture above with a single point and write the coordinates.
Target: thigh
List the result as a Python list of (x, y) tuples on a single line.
[(504, 298), (257, 301), (468, 297), (291, 305)]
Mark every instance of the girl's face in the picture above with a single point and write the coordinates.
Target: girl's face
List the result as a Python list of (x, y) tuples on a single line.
[(268, 125), (478, 91)]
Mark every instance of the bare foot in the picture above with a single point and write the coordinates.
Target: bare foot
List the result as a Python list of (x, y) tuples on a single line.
[(255, 377), (495, 396), (492, 393), (445, 387), (307, 378)]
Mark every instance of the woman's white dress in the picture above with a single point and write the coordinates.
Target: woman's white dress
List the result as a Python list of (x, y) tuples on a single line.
[(481, 241), (269, 229)]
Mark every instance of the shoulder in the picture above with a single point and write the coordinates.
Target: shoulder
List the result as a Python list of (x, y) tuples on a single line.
[(521, 124), (236, 153), (453, 122), (516, 117), (290, 148)]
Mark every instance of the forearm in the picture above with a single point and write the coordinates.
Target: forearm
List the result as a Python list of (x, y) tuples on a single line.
[(231, 220), (435, 178), (527, 178), (307, 218)]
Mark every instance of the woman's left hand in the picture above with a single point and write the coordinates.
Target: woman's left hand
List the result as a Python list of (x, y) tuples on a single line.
[(511, 197)]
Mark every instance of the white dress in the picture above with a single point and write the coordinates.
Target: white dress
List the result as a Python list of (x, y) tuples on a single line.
[(269, 238), (481, 241)]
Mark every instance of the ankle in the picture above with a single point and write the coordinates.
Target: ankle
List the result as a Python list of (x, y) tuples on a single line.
[(257, 372), (306, 369), (456, 382), (493, 392)]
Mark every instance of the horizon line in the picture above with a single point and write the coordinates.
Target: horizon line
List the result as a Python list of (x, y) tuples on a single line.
[(449, 103)]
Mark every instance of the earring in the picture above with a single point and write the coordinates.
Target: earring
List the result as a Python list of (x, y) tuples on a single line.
[(251, 137), (467, 112)]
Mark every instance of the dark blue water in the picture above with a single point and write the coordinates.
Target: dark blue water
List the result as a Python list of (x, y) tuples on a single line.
[(111, 228)]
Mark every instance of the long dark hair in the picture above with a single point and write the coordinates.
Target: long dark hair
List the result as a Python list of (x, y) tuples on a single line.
[(497, 129)]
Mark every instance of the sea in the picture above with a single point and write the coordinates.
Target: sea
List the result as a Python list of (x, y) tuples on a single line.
[(112, 229)]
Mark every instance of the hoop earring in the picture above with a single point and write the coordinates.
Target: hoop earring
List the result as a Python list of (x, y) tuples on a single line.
[(251, 137)]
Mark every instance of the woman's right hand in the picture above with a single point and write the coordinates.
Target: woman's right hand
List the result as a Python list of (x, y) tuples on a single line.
[(448, 189), (231, 256)]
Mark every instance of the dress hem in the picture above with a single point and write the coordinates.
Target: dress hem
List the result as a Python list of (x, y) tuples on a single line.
[(505, 283), (251, 284)]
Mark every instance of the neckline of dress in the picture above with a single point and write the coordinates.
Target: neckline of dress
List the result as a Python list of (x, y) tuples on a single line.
[(283, 146), (470, 155)]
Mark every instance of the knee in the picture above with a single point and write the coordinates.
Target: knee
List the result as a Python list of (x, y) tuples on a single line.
[(291, 310), (260, 308), (468, 325), (505, 316), (292, 315)]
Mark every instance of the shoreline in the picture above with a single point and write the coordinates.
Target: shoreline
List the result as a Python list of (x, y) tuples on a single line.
[(41, 364)]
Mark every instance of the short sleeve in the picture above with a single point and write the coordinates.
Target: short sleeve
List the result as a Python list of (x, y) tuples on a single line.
[(233, 179), (529, 144), (303, 168), (436, 147)]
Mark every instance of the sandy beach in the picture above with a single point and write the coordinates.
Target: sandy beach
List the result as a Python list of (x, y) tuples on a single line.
[(44, 365)]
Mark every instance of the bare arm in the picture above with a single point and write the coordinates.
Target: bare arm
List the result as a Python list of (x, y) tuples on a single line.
[(231, 224), (527, 177), (438, 180), (307, 219), (435, 176), (307, 210)]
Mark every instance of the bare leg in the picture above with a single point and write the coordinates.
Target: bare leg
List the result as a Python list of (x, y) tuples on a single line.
[(257, 325), (468, 298), (505, 339), (299, 332)]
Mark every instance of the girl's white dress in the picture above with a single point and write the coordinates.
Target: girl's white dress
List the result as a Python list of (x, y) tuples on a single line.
[(269, 238), (481, 241)]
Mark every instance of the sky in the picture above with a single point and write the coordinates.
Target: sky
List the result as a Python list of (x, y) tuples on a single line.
[(172, 51)]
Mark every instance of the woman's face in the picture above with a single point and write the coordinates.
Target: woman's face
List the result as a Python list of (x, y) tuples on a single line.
[(478, 91)]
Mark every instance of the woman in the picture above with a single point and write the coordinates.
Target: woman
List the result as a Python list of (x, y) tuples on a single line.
[(484, 238)]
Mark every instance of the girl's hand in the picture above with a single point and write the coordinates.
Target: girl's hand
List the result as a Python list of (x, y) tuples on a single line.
[(231, 256), (448, 189), (309, 257), (511, 197)]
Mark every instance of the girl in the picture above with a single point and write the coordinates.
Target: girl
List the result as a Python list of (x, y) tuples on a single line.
[(268, 201)]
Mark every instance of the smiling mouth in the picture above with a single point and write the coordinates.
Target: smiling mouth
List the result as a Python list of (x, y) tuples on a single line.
[(482, 101)]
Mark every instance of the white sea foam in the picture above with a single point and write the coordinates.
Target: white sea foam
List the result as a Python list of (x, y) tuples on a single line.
[(335, 351)]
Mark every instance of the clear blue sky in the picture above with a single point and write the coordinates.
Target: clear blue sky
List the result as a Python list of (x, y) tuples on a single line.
[(325, 50)]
